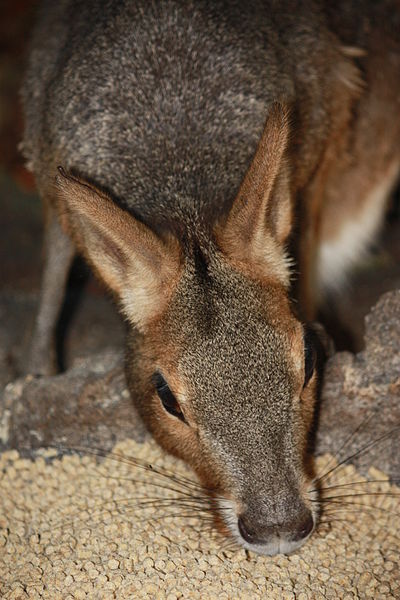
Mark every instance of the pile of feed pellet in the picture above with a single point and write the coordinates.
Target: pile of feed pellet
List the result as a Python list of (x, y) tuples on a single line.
[(76, 526)]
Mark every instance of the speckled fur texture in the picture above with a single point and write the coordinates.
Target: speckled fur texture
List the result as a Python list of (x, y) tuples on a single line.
[(217, 125), (163, 103)]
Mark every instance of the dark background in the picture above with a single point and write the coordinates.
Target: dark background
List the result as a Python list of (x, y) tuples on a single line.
[(95, 324)]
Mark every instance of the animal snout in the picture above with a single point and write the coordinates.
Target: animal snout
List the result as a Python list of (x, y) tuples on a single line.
[(294, 530)]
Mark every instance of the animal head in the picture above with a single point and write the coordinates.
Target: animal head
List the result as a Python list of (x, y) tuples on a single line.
[(219, 367)]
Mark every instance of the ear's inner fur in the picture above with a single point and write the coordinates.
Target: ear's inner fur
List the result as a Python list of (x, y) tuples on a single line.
[(137, 265), (260, 218)]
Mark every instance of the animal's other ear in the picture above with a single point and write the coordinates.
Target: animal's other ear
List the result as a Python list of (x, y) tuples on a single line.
[(139, 267), (259, 221)]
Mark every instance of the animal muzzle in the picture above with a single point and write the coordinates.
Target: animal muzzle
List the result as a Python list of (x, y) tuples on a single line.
[(294, 530), (264, 533)]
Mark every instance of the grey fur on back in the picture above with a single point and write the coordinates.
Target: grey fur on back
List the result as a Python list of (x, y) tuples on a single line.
[(163, 103)]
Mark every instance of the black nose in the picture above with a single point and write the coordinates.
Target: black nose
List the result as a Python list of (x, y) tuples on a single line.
[(248, 534), (304, 528), (253, 531)]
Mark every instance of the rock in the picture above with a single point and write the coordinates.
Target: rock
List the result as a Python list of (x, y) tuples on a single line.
[(88, 405), (360, 402)]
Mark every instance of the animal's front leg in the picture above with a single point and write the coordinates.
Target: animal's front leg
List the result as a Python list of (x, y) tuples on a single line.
[(59, 252)]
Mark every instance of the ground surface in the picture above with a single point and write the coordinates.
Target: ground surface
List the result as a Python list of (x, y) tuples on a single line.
[(110, 530)]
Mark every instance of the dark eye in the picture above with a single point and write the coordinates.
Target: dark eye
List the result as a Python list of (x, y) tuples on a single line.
[(168, 400), (309, 355)]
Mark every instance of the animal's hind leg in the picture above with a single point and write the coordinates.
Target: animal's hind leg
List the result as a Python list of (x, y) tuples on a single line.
[(58, 256)]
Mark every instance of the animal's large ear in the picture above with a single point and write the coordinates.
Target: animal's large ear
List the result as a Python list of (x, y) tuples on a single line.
[(259, 221), (139, 267)]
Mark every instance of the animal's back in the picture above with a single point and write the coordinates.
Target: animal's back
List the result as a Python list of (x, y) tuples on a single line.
[(163, 103)]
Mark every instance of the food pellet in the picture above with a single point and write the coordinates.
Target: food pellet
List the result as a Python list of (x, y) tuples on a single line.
[(77, 528)]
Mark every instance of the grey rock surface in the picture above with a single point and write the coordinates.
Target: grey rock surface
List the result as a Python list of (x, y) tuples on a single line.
[(360, 403), (89, 405)]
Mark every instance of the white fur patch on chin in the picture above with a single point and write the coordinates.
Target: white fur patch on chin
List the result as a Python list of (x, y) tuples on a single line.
[(276, 546)]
